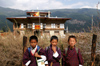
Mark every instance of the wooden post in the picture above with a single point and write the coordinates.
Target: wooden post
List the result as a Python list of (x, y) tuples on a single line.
[(93, 49), (24, 45), (33, 32), (41, 32)]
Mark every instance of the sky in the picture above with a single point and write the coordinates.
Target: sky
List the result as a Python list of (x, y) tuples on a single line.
[(48, 4)]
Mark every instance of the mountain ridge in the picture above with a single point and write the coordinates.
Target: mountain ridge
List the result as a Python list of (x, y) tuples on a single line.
[(78, 16)]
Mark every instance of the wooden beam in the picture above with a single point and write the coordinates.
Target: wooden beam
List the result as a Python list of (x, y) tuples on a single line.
[(54, 28), (93, 49), (24, 45)]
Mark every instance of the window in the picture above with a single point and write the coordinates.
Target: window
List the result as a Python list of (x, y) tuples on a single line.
[(33, 26), (29, 25), (44, 25), (22, 25), (53, 25), (56, 31), (41, 26), (61, 25), (46, 31)]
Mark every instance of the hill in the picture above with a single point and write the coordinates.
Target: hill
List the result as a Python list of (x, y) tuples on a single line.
[(81, 18)]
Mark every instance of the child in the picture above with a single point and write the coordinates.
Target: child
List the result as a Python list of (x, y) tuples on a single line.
[(33, 52), (53, 53), (72, 55)]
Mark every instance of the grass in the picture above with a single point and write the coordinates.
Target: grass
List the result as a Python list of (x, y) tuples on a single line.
[(11, 48)]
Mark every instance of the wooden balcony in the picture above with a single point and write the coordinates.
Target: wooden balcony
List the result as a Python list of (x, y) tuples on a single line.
[(53, 28), (39, 29)]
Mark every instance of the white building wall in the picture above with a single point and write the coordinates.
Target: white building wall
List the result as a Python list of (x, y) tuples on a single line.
[(51, 32), (61, 32)]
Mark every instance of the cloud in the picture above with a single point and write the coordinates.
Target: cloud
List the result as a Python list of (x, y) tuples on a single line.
[(32, 4), (5, 3), (87, 7), (76, 5), (41, 4), (93, 6)]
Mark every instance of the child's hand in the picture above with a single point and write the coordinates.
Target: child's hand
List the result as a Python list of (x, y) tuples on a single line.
[(54, 48), (37, 55), (46, 65)]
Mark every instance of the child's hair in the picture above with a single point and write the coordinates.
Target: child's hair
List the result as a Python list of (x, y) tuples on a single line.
[(33, 37), (54, 37), (72, 36)]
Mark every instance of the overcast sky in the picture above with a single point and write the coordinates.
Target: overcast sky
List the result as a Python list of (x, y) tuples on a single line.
[(48, 4)]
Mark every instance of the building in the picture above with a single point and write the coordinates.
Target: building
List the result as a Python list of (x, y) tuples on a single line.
[(39, 22)]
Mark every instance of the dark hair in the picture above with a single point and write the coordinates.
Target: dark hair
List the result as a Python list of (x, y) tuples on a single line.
[(72, 36), (33, 37), (54, 37)]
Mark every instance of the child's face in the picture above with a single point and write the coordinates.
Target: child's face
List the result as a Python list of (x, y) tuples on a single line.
[(54, 42), (33, 43), (72, 42)]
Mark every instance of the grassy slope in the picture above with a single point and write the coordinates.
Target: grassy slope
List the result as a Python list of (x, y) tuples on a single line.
[(11, 48)]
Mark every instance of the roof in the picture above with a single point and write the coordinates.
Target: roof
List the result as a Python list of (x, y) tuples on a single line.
[(28, 13), (47, 18), (36, 19), (16, 18)]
